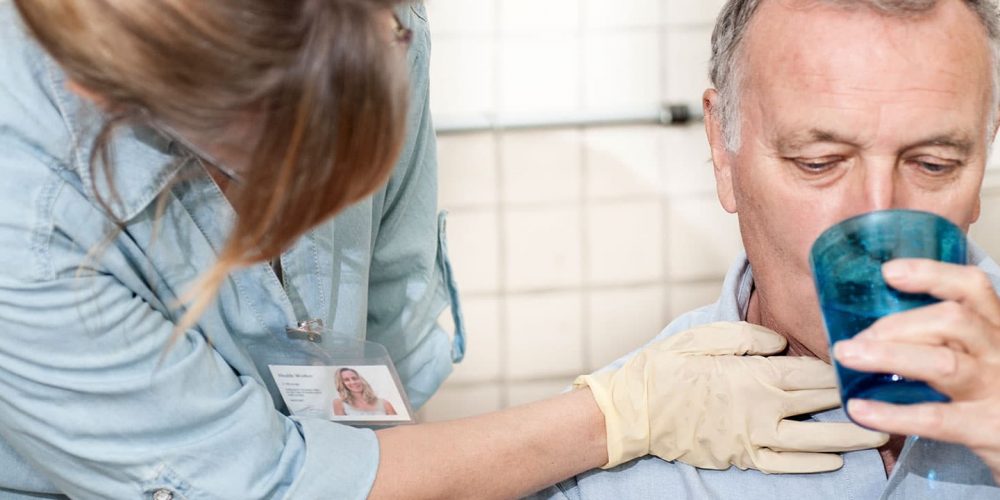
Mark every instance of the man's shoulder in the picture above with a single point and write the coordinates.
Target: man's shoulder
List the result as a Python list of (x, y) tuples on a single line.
[(861, 478)]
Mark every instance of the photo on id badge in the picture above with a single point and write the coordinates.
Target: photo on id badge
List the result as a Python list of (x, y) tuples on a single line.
[(354, 393)]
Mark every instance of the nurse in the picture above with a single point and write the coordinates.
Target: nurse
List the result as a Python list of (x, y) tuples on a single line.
[(168, 177)]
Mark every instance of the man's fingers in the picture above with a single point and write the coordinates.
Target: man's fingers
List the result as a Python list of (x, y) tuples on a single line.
[(952, 422), (793, 435), (725, 338), (788, 462), (965, 284), (947, 370), (946, 323)]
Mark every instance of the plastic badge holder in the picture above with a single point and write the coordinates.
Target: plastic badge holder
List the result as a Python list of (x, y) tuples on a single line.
[(847, 266), (303, 368)]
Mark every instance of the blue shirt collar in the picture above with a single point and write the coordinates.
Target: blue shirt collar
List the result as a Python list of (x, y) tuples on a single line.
[(142, 163)]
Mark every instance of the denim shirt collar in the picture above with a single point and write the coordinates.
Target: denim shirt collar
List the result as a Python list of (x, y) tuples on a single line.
[(142, 159)]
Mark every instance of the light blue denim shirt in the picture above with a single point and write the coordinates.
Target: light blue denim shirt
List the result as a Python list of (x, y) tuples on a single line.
[(925, 469), (93, 405)]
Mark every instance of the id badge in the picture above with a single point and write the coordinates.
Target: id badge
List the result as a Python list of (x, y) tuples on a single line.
[(343, 380)]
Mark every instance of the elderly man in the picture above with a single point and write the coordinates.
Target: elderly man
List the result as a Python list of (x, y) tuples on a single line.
[(826, 109)]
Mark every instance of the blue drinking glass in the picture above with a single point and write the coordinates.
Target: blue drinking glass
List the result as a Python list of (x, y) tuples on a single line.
[(847, 267)]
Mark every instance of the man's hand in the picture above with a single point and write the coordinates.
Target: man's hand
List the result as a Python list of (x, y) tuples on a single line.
[(953, 345), (711, 397)]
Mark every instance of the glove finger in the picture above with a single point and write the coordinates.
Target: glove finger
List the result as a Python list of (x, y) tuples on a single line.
[(793, 373), (793, 435), (791, 462), (726, 338), (809, 401)]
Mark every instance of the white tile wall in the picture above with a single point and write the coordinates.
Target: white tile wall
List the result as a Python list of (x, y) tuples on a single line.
[(617, 71), (623, 319), (603, 15), (545, 332), (625, 243), (467, 171), (463, 401), (993, 165), (532, 17), (684, 297), (984, 232), (553, 63), (474, 242), (688, 52), (461, 17), (541, 167), (543, 248), (463, 76), (482, 359), (703, 239), (687, 161), (622, 162), (519, 393), (687, 12)]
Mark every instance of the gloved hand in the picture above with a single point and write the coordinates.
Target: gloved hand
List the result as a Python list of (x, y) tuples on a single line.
[(710, 398)]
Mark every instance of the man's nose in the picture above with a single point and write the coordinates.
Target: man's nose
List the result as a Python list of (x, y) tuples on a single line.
[(879, 188)]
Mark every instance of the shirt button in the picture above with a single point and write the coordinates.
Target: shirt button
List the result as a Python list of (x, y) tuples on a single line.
[(163, 494)]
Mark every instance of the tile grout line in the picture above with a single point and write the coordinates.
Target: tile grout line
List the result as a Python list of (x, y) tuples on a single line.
[(527, 34), (618, 287), (690, 195), (665, 198), (503, 309), (586, 329)]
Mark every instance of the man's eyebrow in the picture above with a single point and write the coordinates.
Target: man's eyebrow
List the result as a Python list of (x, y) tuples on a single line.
[(812, 136), (957, 141)]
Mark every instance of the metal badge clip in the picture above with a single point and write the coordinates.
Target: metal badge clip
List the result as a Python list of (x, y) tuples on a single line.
[(310, 329)]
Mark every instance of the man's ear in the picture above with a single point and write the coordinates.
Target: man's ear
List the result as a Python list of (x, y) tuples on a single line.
[(722, 159)]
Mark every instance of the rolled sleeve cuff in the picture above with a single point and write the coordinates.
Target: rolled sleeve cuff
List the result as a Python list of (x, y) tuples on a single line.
[(341, 461)]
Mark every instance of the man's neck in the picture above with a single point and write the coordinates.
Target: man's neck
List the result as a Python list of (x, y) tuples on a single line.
[(758, 314)]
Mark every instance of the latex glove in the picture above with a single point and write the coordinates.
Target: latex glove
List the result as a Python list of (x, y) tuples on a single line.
[(709, 398)]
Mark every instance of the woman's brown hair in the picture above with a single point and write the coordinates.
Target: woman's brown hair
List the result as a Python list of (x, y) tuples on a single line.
[(316, 83)]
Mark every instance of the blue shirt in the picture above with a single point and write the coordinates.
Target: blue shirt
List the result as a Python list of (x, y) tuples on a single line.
[(925, 469), (93, 404)]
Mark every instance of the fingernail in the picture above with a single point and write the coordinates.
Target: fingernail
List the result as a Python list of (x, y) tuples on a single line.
[(895, 271)]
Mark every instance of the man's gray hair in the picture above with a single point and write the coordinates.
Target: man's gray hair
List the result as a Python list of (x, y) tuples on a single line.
[(726, 71)]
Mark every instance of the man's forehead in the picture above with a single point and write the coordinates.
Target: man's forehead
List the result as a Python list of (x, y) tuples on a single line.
[(890, 13), (860, 59)]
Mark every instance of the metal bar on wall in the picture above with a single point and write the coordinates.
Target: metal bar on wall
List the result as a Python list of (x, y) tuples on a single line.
[(666, 114)]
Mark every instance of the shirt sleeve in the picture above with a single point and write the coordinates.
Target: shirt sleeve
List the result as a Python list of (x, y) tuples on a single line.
[(99, 397), (410, 280)]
